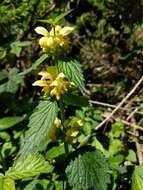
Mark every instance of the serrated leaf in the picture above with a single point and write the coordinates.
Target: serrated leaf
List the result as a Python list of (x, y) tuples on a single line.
[(35, 64), (7, 183), (40, 123), (8, 122), (72, 69), (32, 165), (137, 178), (89, 170)]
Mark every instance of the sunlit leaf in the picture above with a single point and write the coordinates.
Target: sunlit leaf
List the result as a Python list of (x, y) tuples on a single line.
[(32, 165), (6, 183), (8, 122), (72, 69), (137, 178), (40, 123)]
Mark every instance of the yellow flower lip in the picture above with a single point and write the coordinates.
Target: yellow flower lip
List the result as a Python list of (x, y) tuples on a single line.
[(61, 75), (40, 83), (61, 31), (66, 30), (45, 75), (41, 30)]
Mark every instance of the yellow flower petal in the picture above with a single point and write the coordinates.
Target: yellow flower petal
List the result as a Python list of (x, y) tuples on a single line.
[(40, 83), (45, 75), (57, 122), (41, 30), (50, 42), (54, 83), (61, 75), (43, 42), (46, 90), (55, 31), (72, 132), (66, 30)]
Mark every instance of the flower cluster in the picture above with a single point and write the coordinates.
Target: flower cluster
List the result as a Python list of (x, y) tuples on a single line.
[(72, 133), (55, 39), (52, 84), (53, 131)]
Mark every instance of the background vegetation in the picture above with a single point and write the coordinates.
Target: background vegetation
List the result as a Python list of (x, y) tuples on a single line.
[(108, 42)]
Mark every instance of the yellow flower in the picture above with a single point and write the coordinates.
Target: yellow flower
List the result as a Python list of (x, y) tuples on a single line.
[(54, 39), (73, 132), (59, 86), (53, 84), (53, 131), (47, 78)]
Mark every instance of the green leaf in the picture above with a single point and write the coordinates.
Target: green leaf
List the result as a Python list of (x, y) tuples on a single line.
[(8, 122), (38, 185), (74, 100), (115, 146), (56, 19), (55, 152), (16, 47), (117, 129), (3, 74), (131, 156), (6, 183), (48, 21), (99, 146), (40, 123), (137, 178), (116, 160), (7, 149), (14, 80), (32, 165), (35, 64), (2, 53), (61, 16), (88, 171), (72, 70)]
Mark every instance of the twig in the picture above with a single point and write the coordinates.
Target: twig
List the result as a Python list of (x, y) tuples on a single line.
[(121, 103), (129, 124), (114, 106), (132, 114)]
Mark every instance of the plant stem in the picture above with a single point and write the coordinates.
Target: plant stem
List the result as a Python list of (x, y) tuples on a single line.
[(62, 121)]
